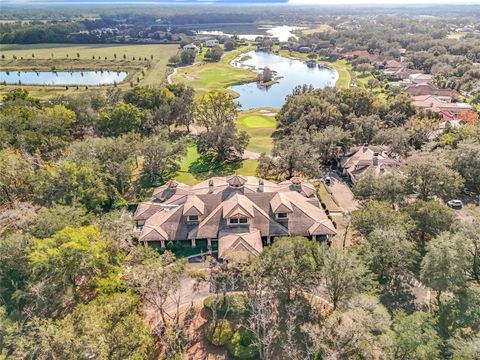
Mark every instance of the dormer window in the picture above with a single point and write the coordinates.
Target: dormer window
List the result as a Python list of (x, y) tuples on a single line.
[(281, 216), (237, 221), (192, 218)]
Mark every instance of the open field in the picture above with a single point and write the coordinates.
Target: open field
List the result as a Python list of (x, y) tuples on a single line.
[(317, 29), (260, 128), (194, 169), (456, 35), (207, 76), (80, 57)]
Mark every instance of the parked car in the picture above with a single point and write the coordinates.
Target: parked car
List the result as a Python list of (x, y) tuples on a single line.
[(456, 204), (328, 180), (467, 192)]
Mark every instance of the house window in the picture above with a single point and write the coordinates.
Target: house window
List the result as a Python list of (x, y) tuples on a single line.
[(192, 218), (282, 216), (235, 221)]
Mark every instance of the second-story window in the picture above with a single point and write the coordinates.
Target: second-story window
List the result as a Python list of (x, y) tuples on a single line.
[(192, 218), (235, 221)]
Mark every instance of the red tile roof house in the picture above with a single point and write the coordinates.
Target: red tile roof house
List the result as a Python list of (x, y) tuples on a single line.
[(235, 213), (358, 160)]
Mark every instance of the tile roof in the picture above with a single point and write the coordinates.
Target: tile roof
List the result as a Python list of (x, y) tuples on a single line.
[(255, 200)]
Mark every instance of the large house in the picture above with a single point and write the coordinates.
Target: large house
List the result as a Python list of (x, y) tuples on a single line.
[(426, 88), (358, 160), (235, 214)]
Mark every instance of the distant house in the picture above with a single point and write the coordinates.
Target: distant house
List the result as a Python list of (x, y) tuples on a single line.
[(437, 104), (234, 214), (358, 160), (192, 47), (420, 78), (363, 54), (426, 88), (211, 43)]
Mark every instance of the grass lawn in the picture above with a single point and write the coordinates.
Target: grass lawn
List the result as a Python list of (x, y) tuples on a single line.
[(326, 197), (260, 128), (317, 29), (456, 35), (194, 169), (64, 57), (207, 76)]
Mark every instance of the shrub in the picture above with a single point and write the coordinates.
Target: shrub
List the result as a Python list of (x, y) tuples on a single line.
[(218, 334), (240, 345), (234, 304)]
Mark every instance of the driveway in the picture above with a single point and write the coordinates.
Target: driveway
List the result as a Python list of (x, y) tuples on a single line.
[(343, 194)]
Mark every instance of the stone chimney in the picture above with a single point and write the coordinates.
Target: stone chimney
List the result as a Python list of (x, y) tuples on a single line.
[(375, 159), (210, 186), (261, 185)]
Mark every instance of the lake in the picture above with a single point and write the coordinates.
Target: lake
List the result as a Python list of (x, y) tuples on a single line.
[(291, 72), (92, 78), (282, 33)]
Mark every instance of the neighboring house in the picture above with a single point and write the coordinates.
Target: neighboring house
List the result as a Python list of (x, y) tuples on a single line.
[(211, 43), (437, 104), (192, 47), (401, 73), (235, 213), (426, 88), (420, 78), (358, 160)]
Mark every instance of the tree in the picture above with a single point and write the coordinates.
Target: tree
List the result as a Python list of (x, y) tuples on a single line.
[(214, 54), (379, 215), (430, 219), (389, 254), (158, 280), (182, 105), (161, 158), (65, 267), (289, 266), (267, 75), (108, 327), (414, 337), (221, 140), (55, 218), (119, 119), (357, 332), (428, 178), (229, 45), (71, 184), (444, 267), (14, 271), (467, 162), (112, 156), (16, 175), (365, 128), (329, 142), (388, 187), (187, 57), (294, 155), (343, 275)]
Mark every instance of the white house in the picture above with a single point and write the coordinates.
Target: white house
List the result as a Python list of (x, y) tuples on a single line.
[(192, 47), (211, 43)]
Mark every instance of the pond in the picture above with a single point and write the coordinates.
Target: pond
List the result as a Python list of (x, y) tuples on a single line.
[(92, 78), (282, 33), (290, 73)]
